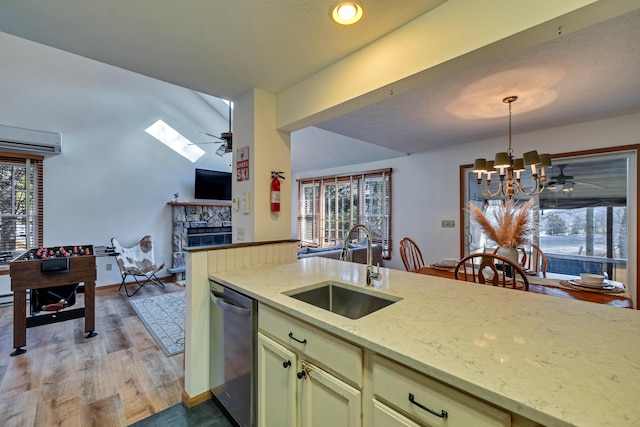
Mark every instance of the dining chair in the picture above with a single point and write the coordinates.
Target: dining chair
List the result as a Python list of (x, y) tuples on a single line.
[(496, 270), (410, 254), (535, 259)]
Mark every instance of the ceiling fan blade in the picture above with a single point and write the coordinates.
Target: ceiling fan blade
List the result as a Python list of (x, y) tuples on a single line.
[(209, 134), (206, 143), (590, 184)]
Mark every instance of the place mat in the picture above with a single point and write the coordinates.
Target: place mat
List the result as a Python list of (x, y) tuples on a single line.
[(440, 266), (570, 284)]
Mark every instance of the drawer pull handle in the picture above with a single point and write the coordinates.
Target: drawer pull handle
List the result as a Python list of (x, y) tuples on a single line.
[(301, 374), (286, 364), (304, 341), (442, 414)]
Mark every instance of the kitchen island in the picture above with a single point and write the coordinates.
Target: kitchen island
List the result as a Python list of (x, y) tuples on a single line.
[(552, 361)]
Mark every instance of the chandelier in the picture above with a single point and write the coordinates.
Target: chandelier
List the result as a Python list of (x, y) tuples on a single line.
[(509, 169)]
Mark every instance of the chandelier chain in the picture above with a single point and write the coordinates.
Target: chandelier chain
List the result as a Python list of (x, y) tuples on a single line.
[(510, 150)]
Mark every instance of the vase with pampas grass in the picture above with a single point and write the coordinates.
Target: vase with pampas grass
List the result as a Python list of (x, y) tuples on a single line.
[(511, 226)]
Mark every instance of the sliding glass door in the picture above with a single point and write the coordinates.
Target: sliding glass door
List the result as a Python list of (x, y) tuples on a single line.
[(586, 217)]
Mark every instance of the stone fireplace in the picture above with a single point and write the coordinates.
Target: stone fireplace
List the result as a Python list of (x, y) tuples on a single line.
[(198, 224)]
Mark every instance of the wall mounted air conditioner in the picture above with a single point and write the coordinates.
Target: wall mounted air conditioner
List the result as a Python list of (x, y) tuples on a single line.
[(29, 141)]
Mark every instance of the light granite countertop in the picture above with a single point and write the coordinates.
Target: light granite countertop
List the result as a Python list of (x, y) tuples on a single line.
[(555, 361)]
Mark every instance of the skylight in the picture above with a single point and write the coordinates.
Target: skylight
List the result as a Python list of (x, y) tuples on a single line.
[(174, 140)]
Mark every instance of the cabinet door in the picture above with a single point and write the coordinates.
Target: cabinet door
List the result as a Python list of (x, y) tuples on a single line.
[(383, 416), (277, 384), (326, 400)]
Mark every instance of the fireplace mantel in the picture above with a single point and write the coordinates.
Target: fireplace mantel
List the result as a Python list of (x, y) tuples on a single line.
[(199, 204)]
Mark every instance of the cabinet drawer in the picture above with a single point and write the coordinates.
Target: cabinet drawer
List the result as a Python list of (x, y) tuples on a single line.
[(394, 384), (339, 357), (383, 416)]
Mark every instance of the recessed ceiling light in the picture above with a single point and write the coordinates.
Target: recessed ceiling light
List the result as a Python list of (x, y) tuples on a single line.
[(347, 12)]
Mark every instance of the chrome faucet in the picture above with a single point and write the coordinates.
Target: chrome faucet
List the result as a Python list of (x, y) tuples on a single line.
[(371, 273)]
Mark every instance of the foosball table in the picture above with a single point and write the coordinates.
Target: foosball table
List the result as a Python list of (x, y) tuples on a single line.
[(53, 276)]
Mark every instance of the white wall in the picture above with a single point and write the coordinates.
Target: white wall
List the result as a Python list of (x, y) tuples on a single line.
[(426, 185), (112, 179)]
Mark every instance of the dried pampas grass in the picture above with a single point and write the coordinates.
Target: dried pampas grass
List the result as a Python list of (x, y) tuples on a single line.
[(513, 226)]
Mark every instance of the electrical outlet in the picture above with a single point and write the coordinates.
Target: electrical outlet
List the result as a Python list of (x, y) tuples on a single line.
[(109, 267), (448, 223), (240, 233)]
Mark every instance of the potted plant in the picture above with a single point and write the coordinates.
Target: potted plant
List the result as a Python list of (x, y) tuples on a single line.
[(510, 228)]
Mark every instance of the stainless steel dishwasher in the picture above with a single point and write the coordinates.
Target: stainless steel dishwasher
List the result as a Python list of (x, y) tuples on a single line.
[(233, 350)]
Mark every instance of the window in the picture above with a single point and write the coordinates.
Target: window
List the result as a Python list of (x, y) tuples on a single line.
[(20, 205), (329, 206), (174, 140), (583, 217)]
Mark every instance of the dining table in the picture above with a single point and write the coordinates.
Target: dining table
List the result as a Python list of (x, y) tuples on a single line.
[(554, 284)]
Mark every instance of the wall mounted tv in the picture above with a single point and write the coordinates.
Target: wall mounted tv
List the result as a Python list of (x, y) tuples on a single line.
[(212, 185)]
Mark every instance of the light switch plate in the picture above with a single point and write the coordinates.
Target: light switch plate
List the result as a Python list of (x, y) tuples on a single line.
[(448, 223)]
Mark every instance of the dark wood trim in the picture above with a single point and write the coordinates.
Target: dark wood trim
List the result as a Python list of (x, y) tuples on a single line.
[(21, 155), (347, 175), (237, 245), (198, 204), (598, 151), (462, 208)]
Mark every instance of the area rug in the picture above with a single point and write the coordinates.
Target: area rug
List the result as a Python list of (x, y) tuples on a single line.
[(163, 316)]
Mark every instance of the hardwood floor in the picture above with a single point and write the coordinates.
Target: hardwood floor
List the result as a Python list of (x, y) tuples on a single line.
[(114, 379)]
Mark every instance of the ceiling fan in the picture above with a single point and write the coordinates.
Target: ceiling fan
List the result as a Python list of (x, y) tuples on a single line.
[(566, 183), (226, 138)]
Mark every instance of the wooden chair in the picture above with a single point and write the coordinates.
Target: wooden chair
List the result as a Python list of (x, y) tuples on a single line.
[(491, 269), (411, 255), (535, 260)]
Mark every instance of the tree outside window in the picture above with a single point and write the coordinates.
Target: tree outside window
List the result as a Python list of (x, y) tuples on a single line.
[(329, 206), (20, 206)]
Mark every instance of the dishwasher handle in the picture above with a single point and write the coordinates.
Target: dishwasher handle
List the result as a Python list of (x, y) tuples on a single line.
[(223, 302)]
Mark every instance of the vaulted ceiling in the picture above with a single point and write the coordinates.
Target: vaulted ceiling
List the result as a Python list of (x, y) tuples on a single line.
[(226, 47)]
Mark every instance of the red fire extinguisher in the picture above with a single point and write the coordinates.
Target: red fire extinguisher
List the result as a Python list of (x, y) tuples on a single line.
[(275, 190)]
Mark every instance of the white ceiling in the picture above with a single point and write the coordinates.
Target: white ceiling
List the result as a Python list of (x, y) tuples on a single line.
[(222, 47), (588, 75), (226, 47)]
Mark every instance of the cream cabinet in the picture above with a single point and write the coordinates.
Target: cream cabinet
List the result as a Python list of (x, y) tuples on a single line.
[(383, 416), (326, 400), (405, 394), (306, 377), (277, 393)]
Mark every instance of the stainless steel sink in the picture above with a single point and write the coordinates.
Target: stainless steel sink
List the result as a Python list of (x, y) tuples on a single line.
[(340, 298)]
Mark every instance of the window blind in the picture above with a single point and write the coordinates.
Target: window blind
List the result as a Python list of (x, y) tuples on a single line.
[(21, 204), (328, 206)]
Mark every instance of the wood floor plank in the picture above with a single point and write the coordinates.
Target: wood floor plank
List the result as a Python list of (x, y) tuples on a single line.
[(23, 374), (104, 412), (64, 379), (18, 410), (138, 335), (59, 374), (161, 368), (61, 411), (132, 382), (93, 377)]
